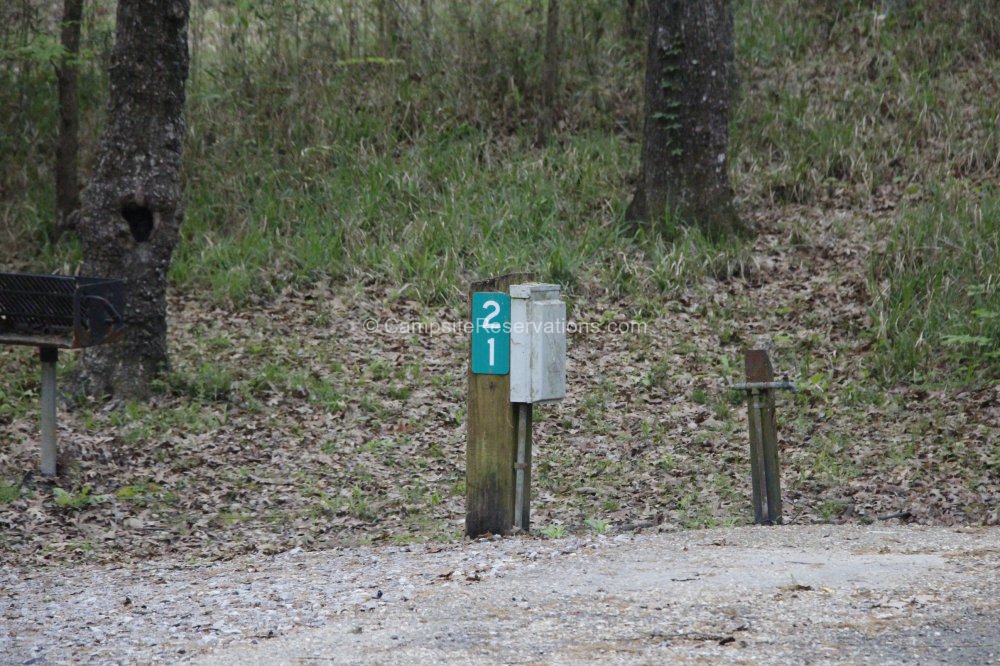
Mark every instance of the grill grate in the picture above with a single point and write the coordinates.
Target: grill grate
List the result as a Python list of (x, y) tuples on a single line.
[(60, 311), (36, 303)]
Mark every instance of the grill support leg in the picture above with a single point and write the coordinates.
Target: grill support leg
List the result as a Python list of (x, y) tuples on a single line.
[(50, 357)]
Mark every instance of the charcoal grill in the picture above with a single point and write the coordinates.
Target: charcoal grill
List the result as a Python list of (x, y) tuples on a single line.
[(54, 312)]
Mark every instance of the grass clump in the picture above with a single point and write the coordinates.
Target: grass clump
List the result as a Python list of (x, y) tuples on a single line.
[(69, 500), (937, 289), (9, 492)]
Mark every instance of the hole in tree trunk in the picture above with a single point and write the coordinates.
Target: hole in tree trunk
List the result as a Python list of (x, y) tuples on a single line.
[(140, 221)]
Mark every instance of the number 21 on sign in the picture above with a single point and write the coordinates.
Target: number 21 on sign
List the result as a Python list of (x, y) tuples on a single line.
[(490, 333)]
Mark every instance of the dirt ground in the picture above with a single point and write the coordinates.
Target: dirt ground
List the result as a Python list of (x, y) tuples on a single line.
[(794, 594)]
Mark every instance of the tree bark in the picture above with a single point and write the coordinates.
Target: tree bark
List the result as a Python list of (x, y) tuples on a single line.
[(550, 73), (68, 147), (132, 210), (690, 76)]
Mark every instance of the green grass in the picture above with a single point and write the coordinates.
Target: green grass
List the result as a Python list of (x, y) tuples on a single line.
[(9, 492), (840, 104), (937, 297), (19, 390), (70, 500), (554, 531), (427, 219)]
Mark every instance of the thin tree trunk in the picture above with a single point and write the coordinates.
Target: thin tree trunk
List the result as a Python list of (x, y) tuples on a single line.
[(550, 73), (352, 31), (690, 76), (630, 29), (389, 35), (426, 17), (68, 148), (132, 211)]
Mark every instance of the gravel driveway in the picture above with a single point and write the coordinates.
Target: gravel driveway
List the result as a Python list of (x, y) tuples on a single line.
[(803, 594)]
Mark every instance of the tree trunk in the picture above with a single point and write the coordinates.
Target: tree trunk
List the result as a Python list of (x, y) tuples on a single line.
[(630, 29), (426, 18), (690, 76), (132, 206), (550, 73), (389, 34), (352, 32), (68, 148)]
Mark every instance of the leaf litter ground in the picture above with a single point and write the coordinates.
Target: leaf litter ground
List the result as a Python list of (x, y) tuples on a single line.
[(287, 425)]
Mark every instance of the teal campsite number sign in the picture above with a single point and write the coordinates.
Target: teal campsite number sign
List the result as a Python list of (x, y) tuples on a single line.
[(490, 333)]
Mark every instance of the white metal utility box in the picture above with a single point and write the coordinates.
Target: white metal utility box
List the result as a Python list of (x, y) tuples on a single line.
[(537, 343)]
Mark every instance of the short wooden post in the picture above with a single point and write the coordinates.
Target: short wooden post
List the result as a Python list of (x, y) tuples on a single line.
[(492, 441), (764, 466)]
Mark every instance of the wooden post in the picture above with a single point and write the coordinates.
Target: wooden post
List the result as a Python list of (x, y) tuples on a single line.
[(764, 467), (491, 446)]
